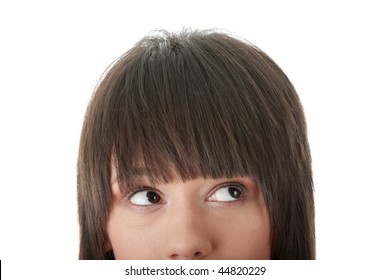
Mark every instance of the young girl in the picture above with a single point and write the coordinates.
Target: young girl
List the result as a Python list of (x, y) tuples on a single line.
[(194, 146)]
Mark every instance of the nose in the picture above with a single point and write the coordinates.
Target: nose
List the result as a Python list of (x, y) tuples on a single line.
[(186, 235)]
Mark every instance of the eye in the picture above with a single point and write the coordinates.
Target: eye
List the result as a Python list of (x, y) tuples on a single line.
[(145, 197), (227, 193)]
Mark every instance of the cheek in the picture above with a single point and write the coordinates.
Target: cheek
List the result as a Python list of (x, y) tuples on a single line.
[(245, 237), (130, 238)]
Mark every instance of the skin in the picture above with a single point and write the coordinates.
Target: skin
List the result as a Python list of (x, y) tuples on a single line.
[(196, 219)]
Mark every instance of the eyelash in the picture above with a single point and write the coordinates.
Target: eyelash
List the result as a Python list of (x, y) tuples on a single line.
[(140, 188), (239, 186)]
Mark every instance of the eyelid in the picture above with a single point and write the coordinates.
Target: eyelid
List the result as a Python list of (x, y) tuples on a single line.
[(141, 188), (240, 186), (131, 188)]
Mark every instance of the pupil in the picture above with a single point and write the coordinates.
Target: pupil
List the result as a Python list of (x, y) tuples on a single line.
[(234, 192), (153, 197)]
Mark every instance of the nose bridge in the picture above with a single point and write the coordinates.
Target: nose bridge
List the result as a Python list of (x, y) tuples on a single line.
[(186, 213), (187, 234)]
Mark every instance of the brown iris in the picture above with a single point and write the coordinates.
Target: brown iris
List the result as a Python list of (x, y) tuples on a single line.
[(153, 197), (235, 192)]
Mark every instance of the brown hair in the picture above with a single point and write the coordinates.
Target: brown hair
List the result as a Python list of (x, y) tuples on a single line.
[(199, 103)]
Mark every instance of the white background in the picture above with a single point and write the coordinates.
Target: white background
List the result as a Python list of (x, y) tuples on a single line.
[(52, 54)]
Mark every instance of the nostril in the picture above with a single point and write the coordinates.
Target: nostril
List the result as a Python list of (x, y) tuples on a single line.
[(196, 255)]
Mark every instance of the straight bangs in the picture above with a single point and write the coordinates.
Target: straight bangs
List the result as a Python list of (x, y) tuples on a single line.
[(175, 111)]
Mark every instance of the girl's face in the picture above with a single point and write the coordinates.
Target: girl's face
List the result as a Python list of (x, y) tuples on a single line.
[(196, 219)]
